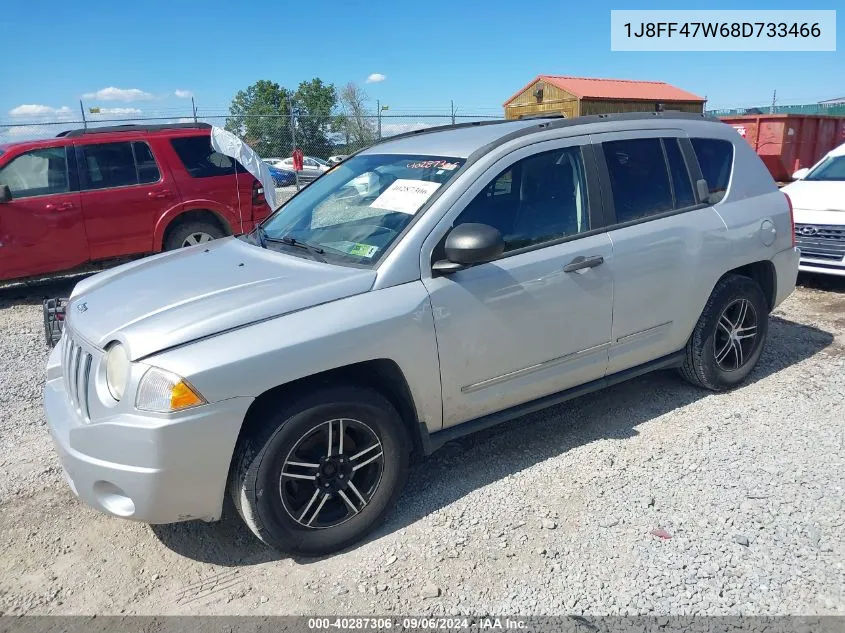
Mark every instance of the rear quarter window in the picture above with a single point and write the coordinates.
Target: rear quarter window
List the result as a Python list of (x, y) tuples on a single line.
[(200, 160), (715, 157)]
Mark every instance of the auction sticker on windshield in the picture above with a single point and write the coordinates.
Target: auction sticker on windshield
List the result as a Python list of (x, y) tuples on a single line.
[(405, 196), (354, 248)]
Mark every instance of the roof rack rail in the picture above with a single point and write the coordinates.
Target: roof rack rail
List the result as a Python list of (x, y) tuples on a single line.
[(587, 119), (133, 127), (542, 115)]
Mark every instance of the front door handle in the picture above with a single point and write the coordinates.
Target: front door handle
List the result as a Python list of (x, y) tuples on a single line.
[(164, 193), (582, 263), (63, 206)]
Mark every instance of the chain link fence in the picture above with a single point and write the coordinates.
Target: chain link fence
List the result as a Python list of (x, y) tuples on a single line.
[(271, 136), (323, 140)]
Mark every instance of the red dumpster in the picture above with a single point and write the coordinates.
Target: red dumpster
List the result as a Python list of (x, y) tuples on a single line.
[(788, 142)]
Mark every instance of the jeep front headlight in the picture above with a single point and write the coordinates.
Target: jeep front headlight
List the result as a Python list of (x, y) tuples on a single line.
[(117, 370), (163, 392)]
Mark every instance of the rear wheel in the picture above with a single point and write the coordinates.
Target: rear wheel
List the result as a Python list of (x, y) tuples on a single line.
[(319, 474), (191, 234), (728, 339)]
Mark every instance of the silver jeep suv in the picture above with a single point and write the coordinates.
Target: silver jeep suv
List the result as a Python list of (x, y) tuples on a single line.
[(434, 284)]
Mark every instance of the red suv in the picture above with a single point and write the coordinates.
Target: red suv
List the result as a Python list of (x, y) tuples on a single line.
[(101, 193)]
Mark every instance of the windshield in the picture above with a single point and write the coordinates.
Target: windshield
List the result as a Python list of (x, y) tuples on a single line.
[(831, 168), (354, 212)]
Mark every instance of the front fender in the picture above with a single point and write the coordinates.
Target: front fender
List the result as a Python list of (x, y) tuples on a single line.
[(393, 323)]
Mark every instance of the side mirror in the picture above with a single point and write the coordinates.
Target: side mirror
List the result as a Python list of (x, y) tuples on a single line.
[(469, 244), (5, 193), (801, 173)]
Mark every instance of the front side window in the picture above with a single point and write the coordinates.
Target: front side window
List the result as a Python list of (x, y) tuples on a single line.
[(639, 179), (539, 199), (354, 212), (201, 160), (832, 168), (715, 158), (39, 172)]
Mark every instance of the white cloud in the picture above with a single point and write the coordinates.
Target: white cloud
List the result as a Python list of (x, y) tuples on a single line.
[(118, 111), (32, 109), (375, 78), (184, 94), (119, 94)]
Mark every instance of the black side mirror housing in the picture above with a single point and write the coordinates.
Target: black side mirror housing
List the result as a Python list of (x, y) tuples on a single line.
[(5, 194), (470, 244)]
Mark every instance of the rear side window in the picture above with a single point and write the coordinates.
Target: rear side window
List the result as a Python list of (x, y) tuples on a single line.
[(145, 163), (715, 158), (40, 172), (200, 160), (639, 179), (681, 183)]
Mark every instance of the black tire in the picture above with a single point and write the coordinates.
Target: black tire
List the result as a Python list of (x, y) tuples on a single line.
[(257, 485), (179, 234), (701, 366)]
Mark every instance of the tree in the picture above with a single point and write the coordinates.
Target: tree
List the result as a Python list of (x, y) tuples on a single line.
[(314, 102), (260, 115), (356, 124)]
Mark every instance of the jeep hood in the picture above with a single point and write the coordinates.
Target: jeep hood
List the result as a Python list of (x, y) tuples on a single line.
[(177, 297)]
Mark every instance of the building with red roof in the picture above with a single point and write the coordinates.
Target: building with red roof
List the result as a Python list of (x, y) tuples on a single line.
[(578, 96)]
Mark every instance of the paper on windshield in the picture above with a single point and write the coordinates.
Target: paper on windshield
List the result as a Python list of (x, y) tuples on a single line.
[(405, 196), (227, 143)]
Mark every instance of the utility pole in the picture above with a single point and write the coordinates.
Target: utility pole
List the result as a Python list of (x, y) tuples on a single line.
[(82, 110), (194, 108), (293, 137), (378, 107), (774, 100), (453, 111)]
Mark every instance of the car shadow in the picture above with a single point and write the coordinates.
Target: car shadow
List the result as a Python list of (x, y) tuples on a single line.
[(463, 466), (830, 283), (34, 292)]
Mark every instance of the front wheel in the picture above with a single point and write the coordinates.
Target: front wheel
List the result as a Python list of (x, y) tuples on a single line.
[(728, 339), (318, 475)]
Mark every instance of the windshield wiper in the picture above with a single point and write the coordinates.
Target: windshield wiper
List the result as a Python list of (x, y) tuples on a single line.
[(315, 251)]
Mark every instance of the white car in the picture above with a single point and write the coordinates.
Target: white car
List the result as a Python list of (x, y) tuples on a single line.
[(274, 162), (312, 168), (818, 200)]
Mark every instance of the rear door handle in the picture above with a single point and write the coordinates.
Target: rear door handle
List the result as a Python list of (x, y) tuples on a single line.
[(582, 263), (164, 193), (64, 206)]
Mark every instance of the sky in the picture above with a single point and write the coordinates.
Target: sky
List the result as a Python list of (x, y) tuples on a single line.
[(149, 57)]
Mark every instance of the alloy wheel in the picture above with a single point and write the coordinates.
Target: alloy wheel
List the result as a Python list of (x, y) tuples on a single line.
[(736, 335), (332, 473), (196, 238)]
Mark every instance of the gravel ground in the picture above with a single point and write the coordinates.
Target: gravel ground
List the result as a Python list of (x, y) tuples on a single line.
[(649, 497)]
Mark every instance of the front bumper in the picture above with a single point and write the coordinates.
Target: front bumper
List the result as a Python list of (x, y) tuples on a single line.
[(146, 467), (810, 265)]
